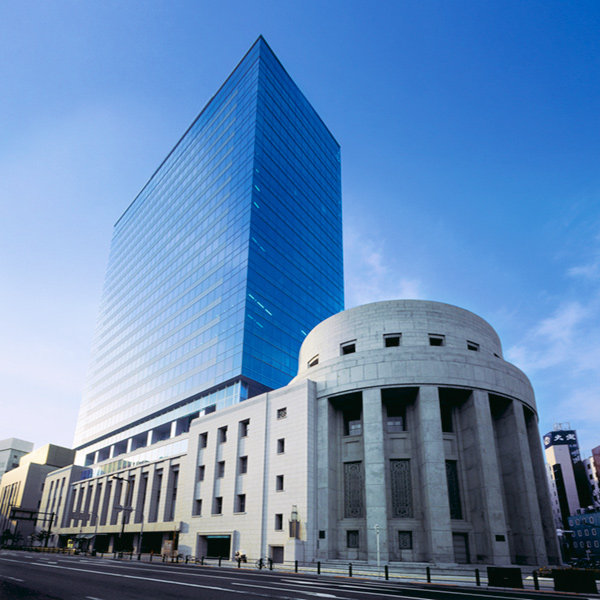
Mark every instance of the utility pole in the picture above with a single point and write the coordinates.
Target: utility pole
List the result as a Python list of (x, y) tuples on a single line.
[(123, 519)]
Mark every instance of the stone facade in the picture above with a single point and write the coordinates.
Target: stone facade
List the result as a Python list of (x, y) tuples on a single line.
[(404, 429), (421, 387)]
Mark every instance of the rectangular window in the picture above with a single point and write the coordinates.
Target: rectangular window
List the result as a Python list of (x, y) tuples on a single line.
[(472, 346), (392, 340), (281, 413), (244, 428), (202, 440), (279, 522), (353, 419), (279, 483), (401, 484), (280, 445), (453, 489), (322, 534), (218, 505), (446, 416), (347, 348), (201, 471), (198, 508), (405, 540), (221, 468), (313, 362), (243, 465), (352, 538), (396, 417), (437, 340), (241, 503), (353, 490), (222, 435)]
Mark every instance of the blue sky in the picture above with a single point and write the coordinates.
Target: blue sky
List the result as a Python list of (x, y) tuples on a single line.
[(470, 156)]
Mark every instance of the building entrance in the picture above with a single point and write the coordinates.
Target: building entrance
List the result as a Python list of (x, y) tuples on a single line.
[(214, 546)]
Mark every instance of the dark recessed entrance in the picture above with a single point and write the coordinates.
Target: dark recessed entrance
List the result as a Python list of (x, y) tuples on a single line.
[(216, 546)]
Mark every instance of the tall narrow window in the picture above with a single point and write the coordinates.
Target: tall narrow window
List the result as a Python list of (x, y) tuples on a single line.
[(279, 483), (353, 490), (241, 503), (244, 428), (353, 419), (218, 505), (222, 436), (402, 505), (278, 522), (280, 445), (221, 468), (453, 489), (446, 416), (243, 465), (202, 440)]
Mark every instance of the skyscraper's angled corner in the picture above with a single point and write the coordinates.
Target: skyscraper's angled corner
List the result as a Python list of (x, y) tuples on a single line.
[(228, 257)]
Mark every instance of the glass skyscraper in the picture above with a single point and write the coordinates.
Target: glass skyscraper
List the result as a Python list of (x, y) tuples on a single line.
[(227, 258)]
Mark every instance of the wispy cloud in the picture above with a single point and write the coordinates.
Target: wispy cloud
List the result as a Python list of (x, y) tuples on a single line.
[(561, 354), (372, 277)]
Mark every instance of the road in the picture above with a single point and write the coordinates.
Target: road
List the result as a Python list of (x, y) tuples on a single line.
[(25, 576)]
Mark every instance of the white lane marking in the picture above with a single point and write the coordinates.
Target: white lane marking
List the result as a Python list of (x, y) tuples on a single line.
[(167, 581), (13, 578), (278, 589), (92, 598)]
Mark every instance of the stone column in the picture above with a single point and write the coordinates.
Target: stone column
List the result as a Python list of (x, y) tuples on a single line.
[(522, 507), (483, 480), (431, 465), (326, 484), (375, 476)]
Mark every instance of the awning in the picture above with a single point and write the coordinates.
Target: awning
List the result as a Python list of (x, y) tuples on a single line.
[(84, 536)]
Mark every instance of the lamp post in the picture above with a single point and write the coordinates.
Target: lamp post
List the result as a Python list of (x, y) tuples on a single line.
[(378, 555), (131, 509), (123, 519)]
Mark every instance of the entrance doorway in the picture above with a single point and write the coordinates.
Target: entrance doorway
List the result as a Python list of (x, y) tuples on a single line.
[(277, 554), (214, 546), (461, 548)]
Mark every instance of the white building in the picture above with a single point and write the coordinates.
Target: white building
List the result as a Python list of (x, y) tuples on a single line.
[(403, 418)]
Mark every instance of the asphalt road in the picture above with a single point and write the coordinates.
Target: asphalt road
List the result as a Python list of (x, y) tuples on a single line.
[(26, 576)]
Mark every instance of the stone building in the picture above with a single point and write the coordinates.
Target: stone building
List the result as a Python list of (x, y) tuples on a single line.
[(404, 423)]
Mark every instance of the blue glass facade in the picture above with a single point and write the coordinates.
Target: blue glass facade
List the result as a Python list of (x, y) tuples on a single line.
[(219, 268)]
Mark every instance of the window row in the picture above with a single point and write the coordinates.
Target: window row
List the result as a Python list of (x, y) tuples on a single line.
[(392, 340), (238, 507), (394, 405)]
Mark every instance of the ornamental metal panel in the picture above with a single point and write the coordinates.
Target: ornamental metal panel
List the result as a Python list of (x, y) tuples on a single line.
[(402, 503), (353, 490)]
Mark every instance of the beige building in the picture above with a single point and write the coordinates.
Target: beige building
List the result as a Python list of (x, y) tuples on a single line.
[(23, 487)]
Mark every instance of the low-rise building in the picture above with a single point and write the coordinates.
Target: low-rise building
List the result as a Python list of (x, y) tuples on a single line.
[(11, 451), (22, 488)]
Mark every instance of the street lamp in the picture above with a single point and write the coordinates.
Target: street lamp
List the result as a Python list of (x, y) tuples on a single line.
[(131, 509), (378, 555), (123, 520)]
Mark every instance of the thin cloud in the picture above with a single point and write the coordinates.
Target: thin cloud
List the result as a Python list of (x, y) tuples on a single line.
[(371, 278)]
